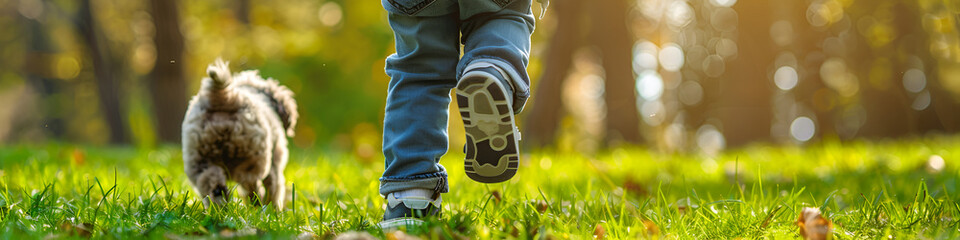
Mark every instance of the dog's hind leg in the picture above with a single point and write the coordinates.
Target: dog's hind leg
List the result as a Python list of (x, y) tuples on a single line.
[(275, 182), (276, 190), (253, 189), (211, 183)]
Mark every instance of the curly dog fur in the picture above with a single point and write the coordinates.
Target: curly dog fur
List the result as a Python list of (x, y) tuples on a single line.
[(236, 128)]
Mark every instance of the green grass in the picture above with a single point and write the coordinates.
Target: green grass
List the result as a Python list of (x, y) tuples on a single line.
[(867, 189)]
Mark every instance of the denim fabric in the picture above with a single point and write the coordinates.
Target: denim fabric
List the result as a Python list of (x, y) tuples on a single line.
[(426, 67)]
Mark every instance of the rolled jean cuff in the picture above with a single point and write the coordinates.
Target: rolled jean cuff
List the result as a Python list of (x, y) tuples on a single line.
[(437, 182)]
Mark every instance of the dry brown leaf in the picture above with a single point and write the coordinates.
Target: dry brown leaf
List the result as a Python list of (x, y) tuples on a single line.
[(496, 196), (79, 157), (599, 232), (82, 229), (228, 233), (542, 206), (684, 205), (651, 227), (813, 225), (635, 187)]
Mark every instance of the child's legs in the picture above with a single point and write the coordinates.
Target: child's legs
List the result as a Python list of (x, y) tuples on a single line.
[(500, 37), (422, 72)]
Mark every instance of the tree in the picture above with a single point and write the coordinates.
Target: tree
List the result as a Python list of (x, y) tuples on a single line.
[(169, 97), (611, 36), (36, 66), (744, 101), (107, 85), (544, 116)]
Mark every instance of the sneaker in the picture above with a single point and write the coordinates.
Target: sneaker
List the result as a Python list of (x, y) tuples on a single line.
[(492, 149), (407, 209)]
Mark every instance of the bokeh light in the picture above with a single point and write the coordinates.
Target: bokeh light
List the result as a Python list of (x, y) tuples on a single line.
[(914, 80), (691, 93), (824, 12), (723, 3), (921, 102), (671, 57), (785, 78), (835, 75), (727, 48), (710, 140), (650, 85), (724, 19), (330, 14), (653, 112), (644, 56), (782, 33), (714, 66), (802, 129), (679, 14)]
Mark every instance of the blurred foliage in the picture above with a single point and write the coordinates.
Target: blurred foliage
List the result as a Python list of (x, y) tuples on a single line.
[(329, 52), (792, 72)]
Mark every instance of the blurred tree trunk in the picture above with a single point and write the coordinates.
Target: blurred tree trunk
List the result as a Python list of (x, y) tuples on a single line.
[(243, 11), (611, 35), (941, 114), (36, 68), (543, 119), (888, 111), (107, 85), (745, 95), (169, 97)]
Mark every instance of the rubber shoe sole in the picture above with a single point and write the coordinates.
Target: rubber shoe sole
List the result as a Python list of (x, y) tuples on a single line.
[(492, 146), (400, 224)]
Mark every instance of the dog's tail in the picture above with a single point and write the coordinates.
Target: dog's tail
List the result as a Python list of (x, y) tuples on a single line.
[(219, 72), (216, 87)]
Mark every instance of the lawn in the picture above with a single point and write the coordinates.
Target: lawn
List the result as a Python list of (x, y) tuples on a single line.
[(875, 189)]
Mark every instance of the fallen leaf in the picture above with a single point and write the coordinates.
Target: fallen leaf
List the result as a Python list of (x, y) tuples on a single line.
[(228, 233), (684, 205), (78, 156), (496, 196), (542, 206), (599, 232), (651, 227), (813, 225), (634, 187), (82, 229)]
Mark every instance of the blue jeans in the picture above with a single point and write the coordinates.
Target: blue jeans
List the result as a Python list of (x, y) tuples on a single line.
[(426, 67)]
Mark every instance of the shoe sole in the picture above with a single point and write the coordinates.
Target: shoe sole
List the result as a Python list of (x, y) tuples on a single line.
[(398, 223), (492, 148)]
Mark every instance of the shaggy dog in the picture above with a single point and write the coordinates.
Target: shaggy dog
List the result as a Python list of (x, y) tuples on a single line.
[(236, 128)]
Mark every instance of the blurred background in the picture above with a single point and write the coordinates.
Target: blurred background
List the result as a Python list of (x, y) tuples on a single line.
[(672, 75)]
